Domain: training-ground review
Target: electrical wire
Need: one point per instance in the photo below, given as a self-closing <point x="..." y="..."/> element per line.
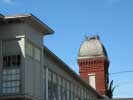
<point x="121" y="72"/>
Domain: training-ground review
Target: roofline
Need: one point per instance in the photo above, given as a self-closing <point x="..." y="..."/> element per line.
<point x="117" y="99"/>
<point x="34" y="19"/>
<point x="1" y="18"/>
<point x="17" y="16"/>
<point x="67" y="68"/>
<point x="1" y="15"/>
<point x="93" y="57"/>
<point x="43" y="24"/>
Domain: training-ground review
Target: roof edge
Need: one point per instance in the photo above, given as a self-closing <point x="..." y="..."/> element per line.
<point x="24" y="17"/>
<point x="1" y="15"/>
<point x="43" y="24"/>
<point x="66" y="67"/>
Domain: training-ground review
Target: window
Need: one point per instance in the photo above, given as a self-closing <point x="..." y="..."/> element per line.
<point x="11" y="74"/>
<point x="68" y="90"/>
<point x="54" y="85"/>
<point x="64" y="92"/>
<point x="72" y="93"/>
<point x="11" y="80"/>
<point x="49" y="85"/>
<point x="11" y="61"/>
<point x="59" y="87"/>
<point x="29" y="49"/>
<point x="92" y="80"/>
<point x="37" y="54"/>
<point x="33" y="51"/>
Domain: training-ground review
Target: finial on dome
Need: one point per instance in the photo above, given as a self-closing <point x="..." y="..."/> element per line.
<point x="97" y="36"/>
<point x="92" y="37"/>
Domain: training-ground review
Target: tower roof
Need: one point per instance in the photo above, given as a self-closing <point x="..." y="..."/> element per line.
<point x="92" y="48"/>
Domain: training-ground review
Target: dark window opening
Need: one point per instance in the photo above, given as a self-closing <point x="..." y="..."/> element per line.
<point x="11" y="61"/>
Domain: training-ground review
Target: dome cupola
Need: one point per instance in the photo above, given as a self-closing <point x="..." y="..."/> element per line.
<point x="92" y="48"/>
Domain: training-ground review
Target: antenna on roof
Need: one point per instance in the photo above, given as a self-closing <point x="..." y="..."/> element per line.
<point x="97" y="36"/>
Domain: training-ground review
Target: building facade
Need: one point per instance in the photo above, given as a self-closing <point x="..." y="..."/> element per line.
<point x="29" y="70"/>
<point x="93" y="64"/>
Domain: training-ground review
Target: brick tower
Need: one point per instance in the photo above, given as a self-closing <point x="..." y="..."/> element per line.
<point x="93" y="64"/>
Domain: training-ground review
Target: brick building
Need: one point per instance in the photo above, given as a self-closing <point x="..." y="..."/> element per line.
<point x="94" y="63"/>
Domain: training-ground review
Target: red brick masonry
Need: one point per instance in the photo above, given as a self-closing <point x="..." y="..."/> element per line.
<point x="97" y="66"/>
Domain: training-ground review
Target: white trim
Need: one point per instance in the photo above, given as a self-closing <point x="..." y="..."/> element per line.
<point x="22" y="36"/>
<point x="92" y="74"/>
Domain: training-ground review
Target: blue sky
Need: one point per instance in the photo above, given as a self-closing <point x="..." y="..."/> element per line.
<point x="72" y="20"/>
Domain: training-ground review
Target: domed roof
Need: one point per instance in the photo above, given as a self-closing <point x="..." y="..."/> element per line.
<point x="92" y="48"/>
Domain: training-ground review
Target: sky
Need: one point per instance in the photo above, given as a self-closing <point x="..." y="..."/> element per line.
<point x="73" y="20"/>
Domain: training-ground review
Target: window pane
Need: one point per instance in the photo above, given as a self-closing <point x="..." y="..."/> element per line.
<point x="68" y="85"/>
<point x="4" y="84"/>
<point x="63" y="83"/>
<point x="5" y="60"/>
<point x="14" y="60"/>
<point x="37" y="54"/>
<point x="4" y="78"/>
<point x="13" y="90"/>
<point x="9" y="77"/>
<point x="4" y="90"/>
<point x="9" y="90"/>
<point x="9" y="71"/>
<point x="9" y="61"/>
<point x="29" y="49"/>
<point x="17" y="89"/>
<point x="14" y="77"/>
<point x="4" y="72"/>
<point x="54" y="77"/>
<point x="59" y="80"/>
<point x="18" y="59"/>
<point x="49" y="75"/>
<point x="9" y="84"/>
<point x="13" y="71"/>
<point x="92" y="81"/>
<point x="11" y="81"/>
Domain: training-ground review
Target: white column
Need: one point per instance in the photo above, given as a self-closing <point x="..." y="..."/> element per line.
<point x="46" y="83"/>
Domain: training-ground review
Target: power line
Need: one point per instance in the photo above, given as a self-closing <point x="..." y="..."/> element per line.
<point x="121" y="72"/>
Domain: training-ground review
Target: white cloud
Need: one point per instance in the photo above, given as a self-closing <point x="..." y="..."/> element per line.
<point x="8" y="1"/>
